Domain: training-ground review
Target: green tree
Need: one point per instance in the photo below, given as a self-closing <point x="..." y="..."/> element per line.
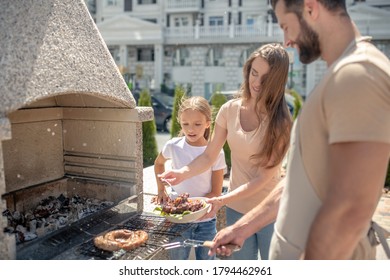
<point x="179" y="95"/>
<point x="149" y="130"/>
<point x="217" y="100"/>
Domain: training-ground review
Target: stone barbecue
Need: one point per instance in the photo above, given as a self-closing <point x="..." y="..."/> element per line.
<point x="69" y="126"/>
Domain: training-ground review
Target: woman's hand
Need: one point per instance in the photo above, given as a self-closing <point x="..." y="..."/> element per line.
<point x="216" y="204"/>
<point x="172" y="177"/>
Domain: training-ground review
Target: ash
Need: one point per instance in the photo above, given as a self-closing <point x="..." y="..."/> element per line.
<point x="52" y="213"/>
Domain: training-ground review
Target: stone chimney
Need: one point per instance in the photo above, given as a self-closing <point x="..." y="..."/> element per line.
<point x="56" y="69"/>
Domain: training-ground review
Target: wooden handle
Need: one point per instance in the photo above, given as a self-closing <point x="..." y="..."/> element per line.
<point x="232" y="247"/>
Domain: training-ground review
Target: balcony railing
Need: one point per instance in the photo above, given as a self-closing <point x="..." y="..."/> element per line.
<point x="182" y="4"/>
<point x="179" y="32"/>
<point x="218" y="32"/>
<point x="213" y="31"/>
<point x="376" y="29"/>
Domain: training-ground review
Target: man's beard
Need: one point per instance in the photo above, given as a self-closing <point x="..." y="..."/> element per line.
<point x="308" y="44"/>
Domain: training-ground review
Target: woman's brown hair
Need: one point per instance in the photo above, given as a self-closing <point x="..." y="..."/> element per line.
<point x="271" y="101"/>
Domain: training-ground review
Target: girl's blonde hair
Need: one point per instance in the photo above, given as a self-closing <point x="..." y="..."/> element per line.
<point x="271" y="99"/>
<point x="200" y="104"/>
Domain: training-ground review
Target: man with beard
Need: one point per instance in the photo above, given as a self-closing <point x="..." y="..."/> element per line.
<point x="340" y="144"/>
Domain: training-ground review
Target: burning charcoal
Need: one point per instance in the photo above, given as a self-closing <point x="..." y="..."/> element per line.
<point x="65" y="203"/>
<point x="63" y="221"/>
<point x="19" y="237"/>
<point x="106" y="204"/>
<point x="21" y="228"/>
<point x="9" y="229"/>
<point x="41" y="223"/>
<point x="50" y="228"/>
<point x="76" y="200"/>
<point x="54" y="224"/>
<point x="41" y="231"/>
<point x="17" y="216"/>
<point x="51" y="214"/>
<point x="29" y="236"/>
<point x="7" y="213"/>
<point x="32" y="225"/>
<point x="61" y="198"/>
<point x="41" y="211"/>
<point x="29" y="216"/>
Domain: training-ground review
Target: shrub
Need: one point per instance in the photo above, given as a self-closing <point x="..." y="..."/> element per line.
<point x="298" y="102"/>
<point x="149" y="143"/>
<point x="217" y="100"/>
<point x="179" y="95"/>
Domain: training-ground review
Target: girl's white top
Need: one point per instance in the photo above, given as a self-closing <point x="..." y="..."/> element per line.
<point x="181" y="153"/>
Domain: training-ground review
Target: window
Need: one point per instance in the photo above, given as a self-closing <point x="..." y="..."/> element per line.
<point x="272" y="13"/>
<point x="146" y="2"/>
<point x="128" y="5"/>
<point x="250" y="21"/>
<point x="181" y="57"/>
<point x="245" y="55"/>
<point x="214" y="57"/>
<point x="145" y="54"/>
<point x="181" y="21"/>
<point x="215" y="21"/>
<point x="114" y="51"/>
<point x="152" y="20"/>
<point x="111" y="3"/>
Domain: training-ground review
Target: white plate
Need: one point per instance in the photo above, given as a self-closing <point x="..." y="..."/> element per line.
<point x="190" y="217"/>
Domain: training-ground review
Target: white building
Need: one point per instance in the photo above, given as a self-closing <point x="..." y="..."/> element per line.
<point x="204" y="43"/>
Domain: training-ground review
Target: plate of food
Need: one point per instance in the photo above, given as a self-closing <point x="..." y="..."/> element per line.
<point x="183" y="209"/>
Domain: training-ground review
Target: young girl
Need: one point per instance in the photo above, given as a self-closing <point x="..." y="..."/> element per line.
<point x="194" y="117"/>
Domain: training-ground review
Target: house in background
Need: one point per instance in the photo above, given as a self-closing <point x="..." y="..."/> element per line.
<point x="203" y="44"/>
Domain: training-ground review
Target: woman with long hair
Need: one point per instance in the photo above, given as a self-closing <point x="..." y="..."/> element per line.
<point x="257" y="127"/>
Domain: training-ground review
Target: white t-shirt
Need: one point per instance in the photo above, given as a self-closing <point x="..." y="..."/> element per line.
<point x="181" y="153"/>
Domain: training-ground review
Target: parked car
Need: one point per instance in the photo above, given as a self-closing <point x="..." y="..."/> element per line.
<point x="162" y="106"/>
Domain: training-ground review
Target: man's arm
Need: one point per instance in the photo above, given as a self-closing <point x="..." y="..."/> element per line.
<point x="256" y="219"/>
<point x="356" y="178"/>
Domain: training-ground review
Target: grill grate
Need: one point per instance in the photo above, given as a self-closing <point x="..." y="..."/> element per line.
<point x="160" y="232"/>
<point x="155" y="224"/>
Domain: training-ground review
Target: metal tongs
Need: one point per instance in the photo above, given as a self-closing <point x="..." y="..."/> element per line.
<point x="197" y="243"/>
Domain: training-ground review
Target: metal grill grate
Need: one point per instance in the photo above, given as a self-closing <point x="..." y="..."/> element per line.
<point x="160" y="232"/>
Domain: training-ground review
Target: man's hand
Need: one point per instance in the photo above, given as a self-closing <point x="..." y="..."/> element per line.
<point x="226" y="236"/>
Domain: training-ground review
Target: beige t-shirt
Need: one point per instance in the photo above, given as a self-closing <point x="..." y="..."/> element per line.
<point x="243" y="145"/>
<point x="351" y="103"/>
